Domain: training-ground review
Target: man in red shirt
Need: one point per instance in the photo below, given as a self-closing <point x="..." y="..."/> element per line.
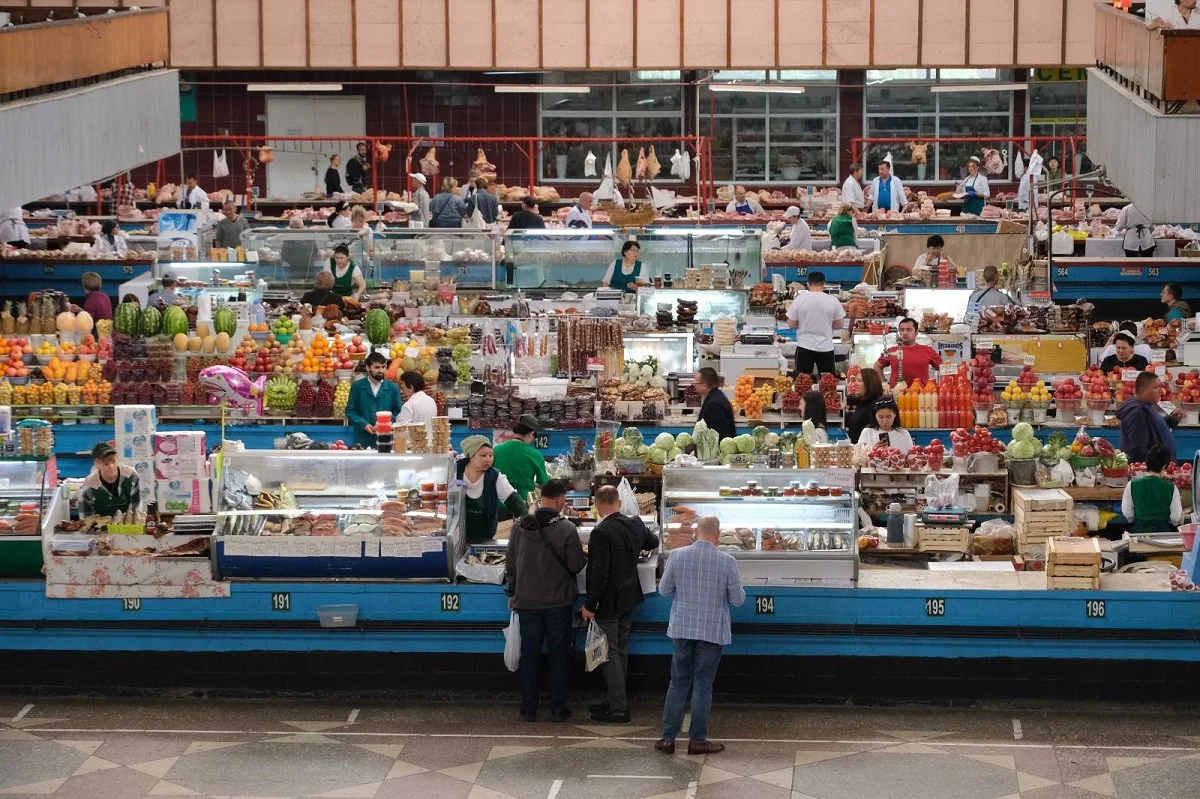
<point x="909" y="361"/>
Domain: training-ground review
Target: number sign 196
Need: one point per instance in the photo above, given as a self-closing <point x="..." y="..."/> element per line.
<point x="935" y="607"/>
<point x="1094" y="608"/>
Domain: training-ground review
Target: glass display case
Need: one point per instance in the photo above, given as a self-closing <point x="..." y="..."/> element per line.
<point x="468" y="256"/>
<point x="675" y="352"/>
<point x="26" y="489"/>
<point x="288" y="514"/>
<point x="289" y="259"/>
<point x="784" y="526"/>
<point x="710" y="303"/>
<point x="579" y="259"/>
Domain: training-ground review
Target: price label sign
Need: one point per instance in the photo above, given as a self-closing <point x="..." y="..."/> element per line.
<point x="764" y="606"/>
<point x="948" y="369"/>
<point x="984" y="344"/>
<point x="1030" y="359"/>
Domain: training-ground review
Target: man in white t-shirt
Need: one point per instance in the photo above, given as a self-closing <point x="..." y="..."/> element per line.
<point x="418" y="407"/>
<point x="814" y="315"/>
<point x="580" y="215"/>
<point x="852" y="190"/>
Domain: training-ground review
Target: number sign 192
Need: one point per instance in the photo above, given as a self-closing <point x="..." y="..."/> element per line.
<point x="450" y="603"/>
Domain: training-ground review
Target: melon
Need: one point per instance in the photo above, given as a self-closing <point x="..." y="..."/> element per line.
<point x="127" y="319"/>
<point x="208" y="344"/>
<point x="202" y="329"/>
<point x="66" y="322"/>
<point x="174" y="321"/>
<point x="151" y="322"/>
<point x="193" y="344"/>
<point x="223" y="342"/>
<point x="83" y="322"/>
<point x="224" y="321"/>
<point x="181" y="342"/>
<point x="377" y="326"/>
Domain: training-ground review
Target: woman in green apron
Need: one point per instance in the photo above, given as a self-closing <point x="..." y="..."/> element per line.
<point x="1151" y="503"/>
<point x="348" y="280"/>
<point x="485" y="489"/>
<point x="974" y="189"/>
<point x="625" y="272"/>
<point x="843" y="232"/>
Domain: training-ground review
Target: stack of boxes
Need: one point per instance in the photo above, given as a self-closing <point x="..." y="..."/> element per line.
<point x="181" y="474"/>
<point x="1041" y="514"/>
<point x="134" y="426"/>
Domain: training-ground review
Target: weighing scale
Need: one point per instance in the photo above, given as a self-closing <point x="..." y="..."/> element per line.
<point x="953" y="516"/>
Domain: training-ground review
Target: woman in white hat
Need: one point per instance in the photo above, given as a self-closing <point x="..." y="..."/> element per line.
<point x="801" y="236"/>
<point x="421" y="198"/>
<point x="974" y="188"/>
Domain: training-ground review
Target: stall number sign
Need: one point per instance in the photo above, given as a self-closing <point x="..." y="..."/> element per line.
<point x="131" y="604"/>
<point x="935" y="607"/>
<point x="764" y="606"/>
<point x="1094" y="608"/>
<point x="281" y="602"/>
<point x="541" y="442"/>
<point x="450" y="603"/>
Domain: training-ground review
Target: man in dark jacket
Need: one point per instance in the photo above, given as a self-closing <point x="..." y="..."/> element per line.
<point x="715" y="410"/>
<point x="358" y="170"/>
<point x="544" y="555"/>
<point x="528" y="217"/>
<point x="1143" y="424"/>
<point x="613" y="591"/>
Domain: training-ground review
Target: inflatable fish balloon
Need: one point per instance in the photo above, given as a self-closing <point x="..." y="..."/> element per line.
<point x="232" y="386"/>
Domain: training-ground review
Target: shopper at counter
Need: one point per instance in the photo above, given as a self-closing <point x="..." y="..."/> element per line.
<point x="852" y="190"/>
<point x="929" y="263"/>
<point x="580" y="215"/>
<point x="348" y="280"/>
<point x="111" y="488"/>
<point x="1124" y="356"/>
<point x="812" y="409"/>
<point x="801" y="236"/>
<point x="230" y="229"/>
<point x="885" y="429"/>
<point x="1151" y="503"/>
<point x="864" y="412"/>
<point x="974" y="188"/>
<point x="1172" y="297"/>
<point x="990" y="295"/>
<point x="358" y="171"/>
<point x="519" y="461"/>
<point x="418" y="407"/>
<point x="447" y="210"/>
<point x="744" y="204"/>
<point x="96" y="302"/>
<point x="484" y="202"/>
<point x="109" y="240"/>
<point x="715" y="410"/>
<point x="909" y="360"/>
<point x="544" y="555"/>
<point x="703" y="582"/>
<point x="322" y="293"/>
<point x="528" y="217"/>
<point x="420" y="198"/>
<point x="815" y="315"/>
<point x="485" y="489"/>
<point x="613" y="592"/>
<point x="843" y="229"/>
<point x="166" y="296"/>
<point x="339" y="219"/>
<point x="368" y="397"/>
<point x="1139" y="232"/>
<point x="192" y="196"/>
<point x="1110" y="346"/>
<point x="333" y="176"/>
<point x="1143" y="423"/>
<point x="13" y="230"/>
<point x="626" y="272"/>
<point x="886" y="192"/>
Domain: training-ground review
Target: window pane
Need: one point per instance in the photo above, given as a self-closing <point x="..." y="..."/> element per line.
<point x="804" y="75"/>
<point x="975" y="102"/>
<point x="904" y="99"/>
<point x="807" y="163"/>
<point x="751" y="130"/>
<point x="750" y="163"/>
<point x="739" y="74"/>
<point x="733" y="102"/>
<point x="669" y="128"/>
<point x="968" y="74"/>
<point x="600" y="98"/>
<point x="722" y="149"/>
<point x="573" y="127"/>
<point x="803" y="130"/>
<point x="953" y="157"/>
<point x="885" y="75"/>
<point x="660" y="97"/>
<point x="815" y="100"/>
<point x="907" y="128"/>
<point x="1056" y="102"/>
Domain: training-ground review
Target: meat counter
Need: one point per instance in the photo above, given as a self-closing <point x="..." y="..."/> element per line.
<point x="26" y="489"/>
<point x="783" y="526"/>
<point x="301" y="514"/>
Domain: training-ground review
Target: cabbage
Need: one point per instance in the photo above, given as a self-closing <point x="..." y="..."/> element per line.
<point x="642" y="449"/>
<point x="725" y="457"/>
<point x="657" y="454"/>
<point x="632" y="435"/>
<point x="683" y="440"/>
<point x="1065" y="453"/>
<point x="673" y="453"/>
<point x="1022" y="431"/>
<point x="759" y="433"/>
<point x="771" y="440"/>
<point x="729" y="446"/>
<point x="745" y="443"/>
<point x="664" y="441"/>
<point x="1023" y="450"/>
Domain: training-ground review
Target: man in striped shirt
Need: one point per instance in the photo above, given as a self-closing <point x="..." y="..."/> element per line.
<point x="704" y="582"/>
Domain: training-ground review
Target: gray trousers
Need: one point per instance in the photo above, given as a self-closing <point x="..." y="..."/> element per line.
<point x="616" y="670"/>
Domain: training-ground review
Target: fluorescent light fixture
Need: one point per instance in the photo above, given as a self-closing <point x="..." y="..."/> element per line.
<point x="293" y="87"/>
<point x="942" y="88"/>
<point x="756" y="88"/>
<point x="514" y="72"/>
<point x="647" y="101"/>
<point x="540" y="88"/>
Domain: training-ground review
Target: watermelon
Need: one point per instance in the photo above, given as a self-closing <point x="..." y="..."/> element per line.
<point x="378" y="326"/>
<point x="127" y="319"/>
<point x="224" y="321"/>
<point x="174" y="321"/>
<point x="151" y="322"/>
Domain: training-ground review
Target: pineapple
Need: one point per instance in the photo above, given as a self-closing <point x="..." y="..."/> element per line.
<point x="305" y="318"/>
<point x="8" y="325"/>
<point x="49" y="316"/>
<point x="22" y="327"/>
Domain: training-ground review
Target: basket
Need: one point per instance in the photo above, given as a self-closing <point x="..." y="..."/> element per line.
<point x="1080" y="462"/>
<point x="1012" y="226"/>
<point x="630" y="216"/>
<point x="631" y="466"/>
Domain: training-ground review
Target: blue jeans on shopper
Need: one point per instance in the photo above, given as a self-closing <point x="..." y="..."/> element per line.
<point x="693" y="667"/>
<point x="552" y="626"/>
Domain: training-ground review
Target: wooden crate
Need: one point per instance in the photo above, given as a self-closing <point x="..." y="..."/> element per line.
<point x="1041" y="499"/>
<point x="1073" y="563"/>
<point x="1040" y="515"/>
<point x="943" y="538"/>
<point x="1072" y="583"/>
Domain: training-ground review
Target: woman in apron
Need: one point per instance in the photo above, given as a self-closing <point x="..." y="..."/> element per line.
<point x="348" y="280"/>
<point x="624" y="273"/>
<point x="1151" y="503"/>
<point x="974" y="189"/>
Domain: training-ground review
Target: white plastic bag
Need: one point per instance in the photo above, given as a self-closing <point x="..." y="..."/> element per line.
<point x="589" y="165"/>
<point x="512" y="643"/>
<point x="220" y="166"/>
<point x="596" y="649"/>
<point x="475" y="221"/>
<point x="629" y="504"/>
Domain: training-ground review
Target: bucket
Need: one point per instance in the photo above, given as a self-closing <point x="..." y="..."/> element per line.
<point x="1022" y="471"/>
<point x="1188" y="533"/>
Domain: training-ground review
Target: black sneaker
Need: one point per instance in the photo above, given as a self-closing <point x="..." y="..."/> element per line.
<point x="599" y="707"/>
<point x="559" y="716"/>
<point x="609" y="717"/>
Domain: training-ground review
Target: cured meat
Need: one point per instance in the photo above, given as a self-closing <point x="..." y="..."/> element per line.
<point x="482" y="168"/>
<point x="642" y="172"/>
<point x="429" y="164"/>
<point x="652" y="165"/>
<point x="993" y="162"/>
<point x="624" y="170"/>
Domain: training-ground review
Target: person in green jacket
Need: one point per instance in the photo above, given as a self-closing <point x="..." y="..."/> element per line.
<point x="112" y="488"/>
<point x="1151" y="503"/>
<point x="485" y="491"/>
<point x="369" y="396"/>
<point x="519" y="461"/>
<point x="842" y="229"/>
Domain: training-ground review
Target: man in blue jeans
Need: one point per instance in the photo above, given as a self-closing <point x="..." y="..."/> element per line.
<point x="704" y="582"/>
<point x="544" y="555"/>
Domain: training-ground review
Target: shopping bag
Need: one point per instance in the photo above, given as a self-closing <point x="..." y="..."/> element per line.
<point x="512" y="643"/>
<point x="595" y="650"/>
<point x="629" y="503"/>
<point x="475" y="221"/>
<point x="220" y="166"/>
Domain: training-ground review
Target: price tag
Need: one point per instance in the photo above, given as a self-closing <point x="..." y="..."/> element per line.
<point x="454" y="413"/>
<point x="1030" y="360"/>
<point x="1158" y="355"/>
<point x="131" y="604"/>
<point x="1129" y="374"/>
<point x="764" y="606"/>
<point x="281" y="602"/>
<point x="451" y="603"/>
<point x="984" y="344"/>
<point x="1094" y="608"/>
<point x="935" y="607"/>
<point x="948" y="369"/>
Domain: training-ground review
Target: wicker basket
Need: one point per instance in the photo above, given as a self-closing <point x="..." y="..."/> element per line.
<point x="629" y="216"/>
<point x="1012" y="226"/>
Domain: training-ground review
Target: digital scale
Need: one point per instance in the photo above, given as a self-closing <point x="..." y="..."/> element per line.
<point x="757" y="339"/>
<point x="945" y="516"/>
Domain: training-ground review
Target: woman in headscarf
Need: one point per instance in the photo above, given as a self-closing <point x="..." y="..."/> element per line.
<point x="485" y="490"/>
<point x="109" y="241"/>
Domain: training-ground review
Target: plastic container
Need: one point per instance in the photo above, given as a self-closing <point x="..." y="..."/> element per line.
<point x="338" y="615"/>
<point x="1188" y="533"/>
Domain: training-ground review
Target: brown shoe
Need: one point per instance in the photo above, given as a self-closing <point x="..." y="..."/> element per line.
<point x="666" y="746"/>
<point x="704" y="748"/>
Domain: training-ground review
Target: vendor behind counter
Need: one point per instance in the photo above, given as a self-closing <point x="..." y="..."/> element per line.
<point x="112" y="488"/>
<point x="485" y="489"/>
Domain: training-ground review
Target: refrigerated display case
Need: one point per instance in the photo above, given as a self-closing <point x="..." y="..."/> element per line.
<point x="579" y="258"/>
<point x="710" y="303"/>
<point x="675" y="352"/>
<point x="26" y="486"/>
<point x="288" y="514"/>
<point x="777" y="536"/>
<point x="288" y="260"/>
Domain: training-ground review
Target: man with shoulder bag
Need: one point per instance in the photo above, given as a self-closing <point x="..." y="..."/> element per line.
<point x="613" y="591"/>
<point x="544" y="555"/>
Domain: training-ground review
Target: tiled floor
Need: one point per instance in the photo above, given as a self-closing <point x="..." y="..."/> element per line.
<point x="124" y="749"/>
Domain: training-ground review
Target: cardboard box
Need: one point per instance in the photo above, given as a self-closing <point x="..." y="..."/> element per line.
<point x="134" y="419"/>
<point x="179" y="455"/>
